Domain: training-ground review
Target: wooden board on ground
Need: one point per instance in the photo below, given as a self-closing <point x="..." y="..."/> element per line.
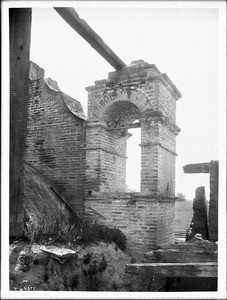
<point x="176" y="255"/>
<point x="193" y="244"/>
<point x="207" y="269"/>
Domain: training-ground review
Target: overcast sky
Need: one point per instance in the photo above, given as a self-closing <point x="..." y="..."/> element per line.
<point x="182" y="42"/>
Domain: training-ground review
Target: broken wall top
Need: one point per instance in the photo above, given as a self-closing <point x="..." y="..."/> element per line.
<point x="138" y="70"/>
<point x="73" y="105"/>
<point x="136" y="92"/>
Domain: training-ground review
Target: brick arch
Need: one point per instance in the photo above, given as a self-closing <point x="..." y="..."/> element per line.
<point x="137" y="97"/>
<point x="121" y="112"/>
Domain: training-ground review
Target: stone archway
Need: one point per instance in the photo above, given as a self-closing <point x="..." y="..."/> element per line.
<point x="107" y="142"/>
<point x="137" y="92"/>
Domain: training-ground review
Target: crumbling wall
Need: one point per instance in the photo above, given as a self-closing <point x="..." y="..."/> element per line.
<point x="137" y="92"/>
<point x="136" y="96"/>
<point x="105" y="159"/>
<point x="212" y="168"/>
<point x="199" y="220"/>
<point x="147" y="222"/>
<point x="165" y="222"/>
<point x="56" y="137"/>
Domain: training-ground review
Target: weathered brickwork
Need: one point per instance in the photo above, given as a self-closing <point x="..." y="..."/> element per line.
<point x="105" y="160"/>
<point x="56" y="137"/>
<point x="165" y="222"/>
<point x="166" y="173"/>
<point x="136" y="96"/>
<point x="137" y="92"/>
<point x="142" y="219"/>
<point x="86" y="160"/>
<point x="165" y="104"/>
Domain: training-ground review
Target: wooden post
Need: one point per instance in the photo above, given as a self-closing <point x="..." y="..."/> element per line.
<point x="20" y="33"/>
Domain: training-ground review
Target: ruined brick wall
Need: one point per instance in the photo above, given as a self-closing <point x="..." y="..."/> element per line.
<point x="142" y="219"/>
<point x="166" y="103"/>
<point x="213" y="204"/>
<point x="56" y="137"/>
<point x="137" y="93"/>
<point x="212" y="168"/>
<point x="105" y="160"/>
<point x="166" y="173"/>
<point x="165" y="222"/>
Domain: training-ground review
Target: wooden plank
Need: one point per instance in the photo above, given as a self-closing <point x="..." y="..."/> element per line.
<point x="178" y="256"/>
<point x="197" y="168"/>
<point x="193" y="245"/>
<point x="208" y="269"/>
<point x="82" y="28"/>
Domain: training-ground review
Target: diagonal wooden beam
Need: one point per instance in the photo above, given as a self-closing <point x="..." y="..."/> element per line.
<point x="80" y="26"/>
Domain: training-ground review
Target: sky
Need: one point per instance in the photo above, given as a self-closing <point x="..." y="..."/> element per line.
<point x="182" y="42"/>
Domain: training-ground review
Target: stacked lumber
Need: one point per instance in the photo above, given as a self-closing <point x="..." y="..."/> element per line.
<point x="197" y="258"/>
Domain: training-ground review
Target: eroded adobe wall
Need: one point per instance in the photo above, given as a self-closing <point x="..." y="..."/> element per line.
<point x="56" y="137"/>
<point x="211" y="167"/>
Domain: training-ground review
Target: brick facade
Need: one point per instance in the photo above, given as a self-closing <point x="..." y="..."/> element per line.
<point x="147" y="222"/>
<point x="137" y="92"/>
<point x="56" y="137"/>
<point x="86" y="160"/>
<point x="138" y="95"/>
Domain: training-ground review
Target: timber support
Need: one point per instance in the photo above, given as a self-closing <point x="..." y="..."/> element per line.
<point x="80" y="26"/>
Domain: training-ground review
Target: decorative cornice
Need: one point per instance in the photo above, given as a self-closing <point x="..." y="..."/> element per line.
<point x="157" y="115"/>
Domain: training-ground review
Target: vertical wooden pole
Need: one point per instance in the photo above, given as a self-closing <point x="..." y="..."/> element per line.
<point x="20" y="35"/>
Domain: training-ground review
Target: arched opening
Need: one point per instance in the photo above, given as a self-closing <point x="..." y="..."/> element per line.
<point x="133" y="163"/>
<point x="121" y="113"/>
<point x="123" y="121"/>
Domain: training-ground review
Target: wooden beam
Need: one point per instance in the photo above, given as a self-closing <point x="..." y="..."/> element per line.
<point x="19" y="38"/>
<point x="197" y="168"/>
<point x="192" y="245"/>
<point x="80" y="26"/>
<point x="208" y="269"/>
<point x="177" y="255"/>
